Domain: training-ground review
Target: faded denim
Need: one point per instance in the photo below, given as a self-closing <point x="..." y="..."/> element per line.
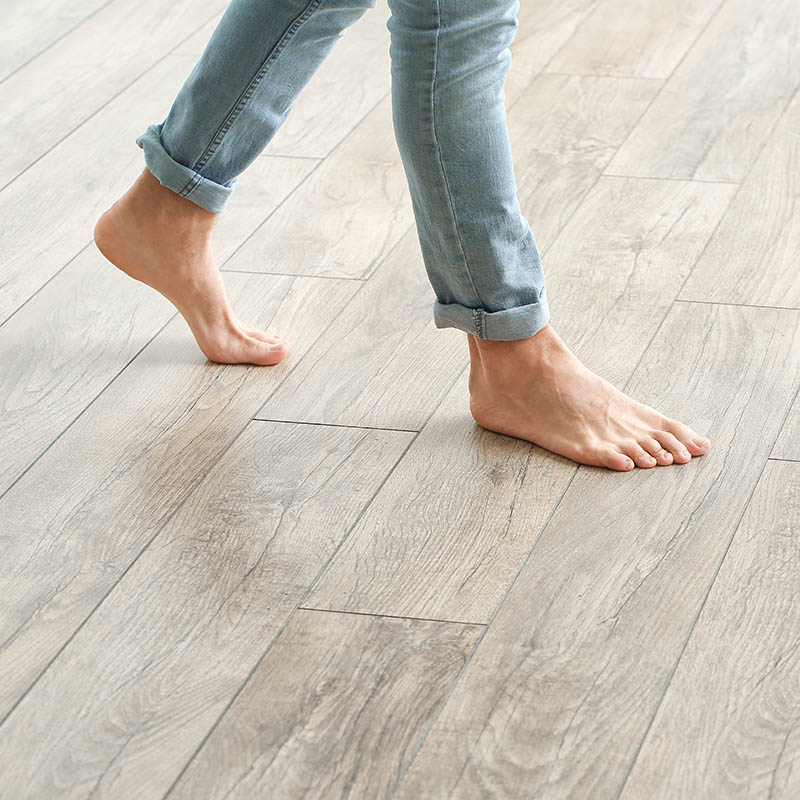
<point x="449" y="64"/>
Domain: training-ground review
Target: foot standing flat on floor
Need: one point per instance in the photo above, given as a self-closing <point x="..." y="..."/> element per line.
<point x="536" y="389"/>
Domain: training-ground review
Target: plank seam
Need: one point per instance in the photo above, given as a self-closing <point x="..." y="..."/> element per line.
<point x="392" y="616"/>
<point x="307" y="592"/>
<point x="189" y="493"/>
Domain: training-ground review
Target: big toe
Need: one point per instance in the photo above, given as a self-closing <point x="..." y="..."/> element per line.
<point x="264" y="353"/>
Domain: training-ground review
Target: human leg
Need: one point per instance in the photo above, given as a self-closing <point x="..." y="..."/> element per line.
<point x="257" y="61"/>
<point x="449" y="63"/>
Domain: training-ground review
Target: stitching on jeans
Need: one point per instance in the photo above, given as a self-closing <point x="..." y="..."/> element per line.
<point x="438" y="150"/>
<point x="245" y="96"/>
<point x="479" y="320"/>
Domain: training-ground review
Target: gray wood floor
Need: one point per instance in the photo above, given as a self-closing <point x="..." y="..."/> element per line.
<point x="322" y="579"/>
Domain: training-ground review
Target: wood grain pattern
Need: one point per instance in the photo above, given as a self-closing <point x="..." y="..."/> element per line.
<point x="31" y="26"/>
<point x="262" y="187"/>
<point x="73" y="523"/>
<point x="618" y="263"/>
<point x="729" y="725"/>
<point x="788" y="444"/>
<point x="47" y="215"/>
<point x="544" y="27"/>
<point x="615" y="270"/>
<point x="158" y="548"/>
<point x="759" y="261"/>
<point x="563" y="131"/>
<point x="450" y="527"/>
<point x="335" y="709"/>
<point x="62" y="349"/>
<point x="346" y="217"/>
<point x="634" y="38"/>
<point x="560" y="691"/>
<point x="715" y="111"/>
<point x="131" y="698"/>
<point x="382" y="362"/>
<point x="81" y="72"/>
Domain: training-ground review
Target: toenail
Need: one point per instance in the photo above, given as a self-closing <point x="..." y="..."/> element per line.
<point x="700" y="441"/>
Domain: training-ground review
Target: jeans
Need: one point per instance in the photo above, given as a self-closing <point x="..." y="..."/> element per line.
<point x="449" y="60"/>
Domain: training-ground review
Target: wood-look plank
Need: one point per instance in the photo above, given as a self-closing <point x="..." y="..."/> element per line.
<point x="336" y="709"/>
<point x="262" y="187"/>
<point x="196" y="43"/>
<point x="70" y="81"/>
<point x="346" y="217"/>
<point x="450" y="527"/>
<point x="561" y="689"/>
<point x="63" y="347"/>
<point x="729" y="725"/>
<point x="124" y="707"/>
<point x="382" y="362"/>
<point x="614" y="270"/>
<point x="31" y="26"/>
<point x="788" y="444"/>
<point x="752" y="258"/>
<point x="712" y="117"/>
<point x="47" y="215"/>
<point x="619" y="262"/>
<point x="75" y="521"/>
<point x="634" y="38"/>
<point x="564" y="131"/>
<point x="544" y="27"/>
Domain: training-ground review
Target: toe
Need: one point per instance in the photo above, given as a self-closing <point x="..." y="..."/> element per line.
<point x="613" y="459"/>
<point x="638" y="454"/>
<point x="264" y="353"/>
<point x="670" y="442"/>
<point x="663" y="457"/>
<point x="238" y="348"/>
<point x="264" y="336"/>
<point x="696" y="444"/>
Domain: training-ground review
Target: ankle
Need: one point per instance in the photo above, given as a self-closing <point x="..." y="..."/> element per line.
<point x="162" y="206"/>
<point x="494" y="355"/>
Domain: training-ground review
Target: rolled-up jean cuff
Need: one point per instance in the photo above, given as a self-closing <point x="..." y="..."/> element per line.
<point x="518" y="322"/>
<point x="183" y="181"/>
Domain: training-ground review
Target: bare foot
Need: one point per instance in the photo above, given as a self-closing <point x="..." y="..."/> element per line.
<point x="164" y="240"/>
<point x="537" y="389"/>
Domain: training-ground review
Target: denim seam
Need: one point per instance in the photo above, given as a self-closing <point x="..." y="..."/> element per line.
<point x="439" y="152"/>
<point x="480" y="322"/>
<point x="245" y="96"/>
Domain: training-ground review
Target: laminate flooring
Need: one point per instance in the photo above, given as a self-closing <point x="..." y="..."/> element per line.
<point x="322" y="579"/>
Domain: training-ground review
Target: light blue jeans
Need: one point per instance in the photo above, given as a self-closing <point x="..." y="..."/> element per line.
<point x="449" y="64"/>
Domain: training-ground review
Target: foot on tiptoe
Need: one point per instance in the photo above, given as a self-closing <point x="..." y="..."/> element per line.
<point x="164" y="240"/>
<point x="537" y="389"/>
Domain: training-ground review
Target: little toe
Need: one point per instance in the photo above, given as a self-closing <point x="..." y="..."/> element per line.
<point x="614" y="459"/>
<point x="670" y="442"/>
<point x="638" y="454"/>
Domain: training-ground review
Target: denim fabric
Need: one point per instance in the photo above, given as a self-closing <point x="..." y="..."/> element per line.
<point x="449" y="64"/>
